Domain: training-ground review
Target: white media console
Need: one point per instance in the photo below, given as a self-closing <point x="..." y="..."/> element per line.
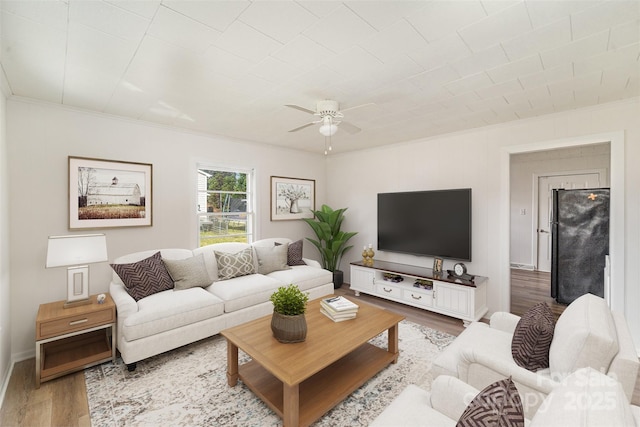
<point x="462" y="299"/>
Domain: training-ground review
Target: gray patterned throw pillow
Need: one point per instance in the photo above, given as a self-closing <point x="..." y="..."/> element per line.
<point x="235" y="265"/>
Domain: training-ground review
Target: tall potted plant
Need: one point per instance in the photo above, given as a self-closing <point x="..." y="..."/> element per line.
<point x="332" y="242"/>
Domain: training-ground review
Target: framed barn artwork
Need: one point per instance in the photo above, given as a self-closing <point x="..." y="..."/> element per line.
<point x="109" y="193"/>
<point x="292" y="198"/>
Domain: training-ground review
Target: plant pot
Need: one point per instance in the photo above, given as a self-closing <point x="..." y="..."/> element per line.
<point x="289" y="329"/>
<point x="338" y="279"/>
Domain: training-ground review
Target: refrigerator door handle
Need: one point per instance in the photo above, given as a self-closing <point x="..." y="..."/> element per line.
<point x="607" y="280"/>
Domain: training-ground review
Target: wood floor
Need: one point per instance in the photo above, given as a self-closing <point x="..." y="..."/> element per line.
<point x="63" y="401"/>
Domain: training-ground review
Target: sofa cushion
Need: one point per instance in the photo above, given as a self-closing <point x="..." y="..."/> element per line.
<point x="294" y="253"/>
<point x="532" y="338"/>
<point x="271" y="258"/>
<point x="145" y="277"/>
<point x="585" y="336"/>
<point x="170" y="310"/>
<point x="498" y="404"/>
<point x="585" y="398"/>
<point x="412" y="408"/>
<point x="244" y="291"/>
<point x="237" y="264"/>
<point x="304" y="276"/>
<point x="188" y="273"/>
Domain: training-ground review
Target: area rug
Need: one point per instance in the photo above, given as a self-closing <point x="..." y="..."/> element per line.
<point x="188" y="387"/>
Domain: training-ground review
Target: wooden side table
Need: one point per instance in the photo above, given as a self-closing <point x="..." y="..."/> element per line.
<point x="71" y="339"/>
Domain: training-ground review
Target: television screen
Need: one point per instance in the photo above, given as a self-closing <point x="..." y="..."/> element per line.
<point x="429" y="223"/>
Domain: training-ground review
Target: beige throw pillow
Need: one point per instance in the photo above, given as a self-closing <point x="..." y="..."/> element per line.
<point x="188" y="273"/>
<point x="271" y="258"/>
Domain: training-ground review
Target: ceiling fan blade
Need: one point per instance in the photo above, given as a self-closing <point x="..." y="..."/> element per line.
<point x="303" y="126"/>
<point x="358" y="106"/>
<point x="350" y="128"/>
<point x="297" y="107"/>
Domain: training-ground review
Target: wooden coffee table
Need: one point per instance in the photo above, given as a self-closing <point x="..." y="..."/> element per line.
<point x="300" y="382"/>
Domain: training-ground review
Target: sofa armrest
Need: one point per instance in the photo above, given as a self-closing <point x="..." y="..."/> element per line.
<point x="450" y="396"/>
<point x="504" y="321"/>
<point x="504" y="368"/>
<point x="125" y="304"/>
<point x="312" y="262"/>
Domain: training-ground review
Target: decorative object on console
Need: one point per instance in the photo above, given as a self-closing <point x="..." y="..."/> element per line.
<point x="101" y="298"/>
<point x="367" y="255"/>
<point x="460" y="271"/>
<point x="391" y="277"/>
<point x="332" y="242"/>
<point x="437" y="265"/>
<point x="76" y="252"/>
<point x="423" y="283"/>
<point x="288" y="323"/>
<point x="108" y="193"/>
<point x="292" y="198"/>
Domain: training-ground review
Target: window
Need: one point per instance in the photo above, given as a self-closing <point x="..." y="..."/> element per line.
<point x="225" y="205"/>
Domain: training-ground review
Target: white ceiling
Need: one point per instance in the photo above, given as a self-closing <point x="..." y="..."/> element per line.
<point x="229" y="67"/>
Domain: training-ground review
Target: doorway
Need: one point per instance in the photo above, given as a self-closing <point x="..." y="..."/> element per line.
<point x="546" y="184"/>
<point x="615" y="168"/>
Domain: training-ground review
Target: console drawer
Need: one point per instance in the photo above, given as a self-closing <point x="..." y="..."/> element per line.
<point x="416" y="297"/>
<point x="388" y="291"/>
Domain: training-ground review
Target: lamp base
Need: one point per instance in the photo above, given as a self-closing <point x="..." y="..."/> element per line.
<point x="71" y="304"/>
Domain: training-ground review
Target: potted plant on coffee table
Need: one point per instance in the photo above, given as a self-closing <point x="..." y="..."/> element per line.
<point x="288" y="323"/>
<point x="332" y="242"/>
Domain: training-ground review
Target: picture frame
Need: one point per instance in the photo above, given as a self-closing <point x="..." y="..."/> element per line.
<point x="437" y="265"/>
<point x="109" y="193"/>
<point x="292" y="198"/>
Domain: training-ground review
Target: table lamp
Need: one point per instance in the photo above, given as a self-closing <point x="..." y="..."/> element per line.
<point x="75" y="252"/>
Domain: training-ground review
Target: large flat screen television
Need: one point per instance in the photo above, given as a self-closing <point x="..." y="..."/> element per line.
<point x="428" y="223"/>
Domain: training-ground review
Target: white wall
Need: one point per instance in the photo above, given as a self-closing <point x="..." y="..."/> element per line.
<point x="5" y="280"/>
<point x="524" y="167"/>
<point x="40" y="139"/>
<point x="473" y="159"/>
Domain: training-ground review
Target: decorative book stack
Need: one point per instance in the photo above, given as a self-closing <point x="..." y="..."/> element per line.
<point x="338" y="308"/>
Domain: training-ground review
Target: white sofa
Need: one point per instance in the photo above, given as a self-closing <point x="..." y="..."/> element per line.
<point x="587" y="334"/>
<point x="173" y="318"/>
<point x="586" y="398"/>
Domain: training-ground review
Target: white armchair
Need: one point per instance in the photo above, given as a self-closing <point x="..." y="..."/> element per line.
<point x="587" y="334"/>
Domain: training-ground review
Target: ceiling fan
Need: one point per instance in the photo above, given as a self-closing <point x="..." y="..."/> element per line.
<point x="330" y="116"/>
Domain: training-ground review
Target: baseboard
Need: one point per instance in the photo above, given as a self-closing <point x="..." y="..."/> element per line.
<point x="522" y="266"/>
<point x="5" y="382"/>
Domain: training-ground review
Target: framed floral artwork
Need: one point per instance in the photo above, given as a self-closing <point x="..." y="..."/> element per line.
<point x="292" y="198"/>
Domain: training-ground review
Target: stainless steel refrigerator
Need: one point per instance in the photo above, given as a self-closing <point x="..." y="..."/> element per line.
<point x="579" y="243"/>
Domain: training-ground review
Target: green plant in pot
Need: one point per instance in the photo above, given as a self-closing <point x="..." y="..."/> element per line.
<point x="332" y="242"/>
<point x="288" y="323"/>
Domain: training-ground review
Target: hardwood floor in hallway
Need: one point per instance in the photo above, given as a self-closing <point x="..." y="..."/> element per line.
<point x="63" y="401"/>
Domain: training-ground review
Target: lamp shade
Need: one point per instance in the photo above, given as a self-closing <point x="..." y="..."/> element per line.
<point x="76" y="250"/>
<point x="328" y="130"/>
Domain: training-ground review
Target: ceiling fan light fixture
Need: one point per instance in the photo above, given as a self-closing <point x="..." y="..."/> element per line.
<point x="328" y="129"/>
